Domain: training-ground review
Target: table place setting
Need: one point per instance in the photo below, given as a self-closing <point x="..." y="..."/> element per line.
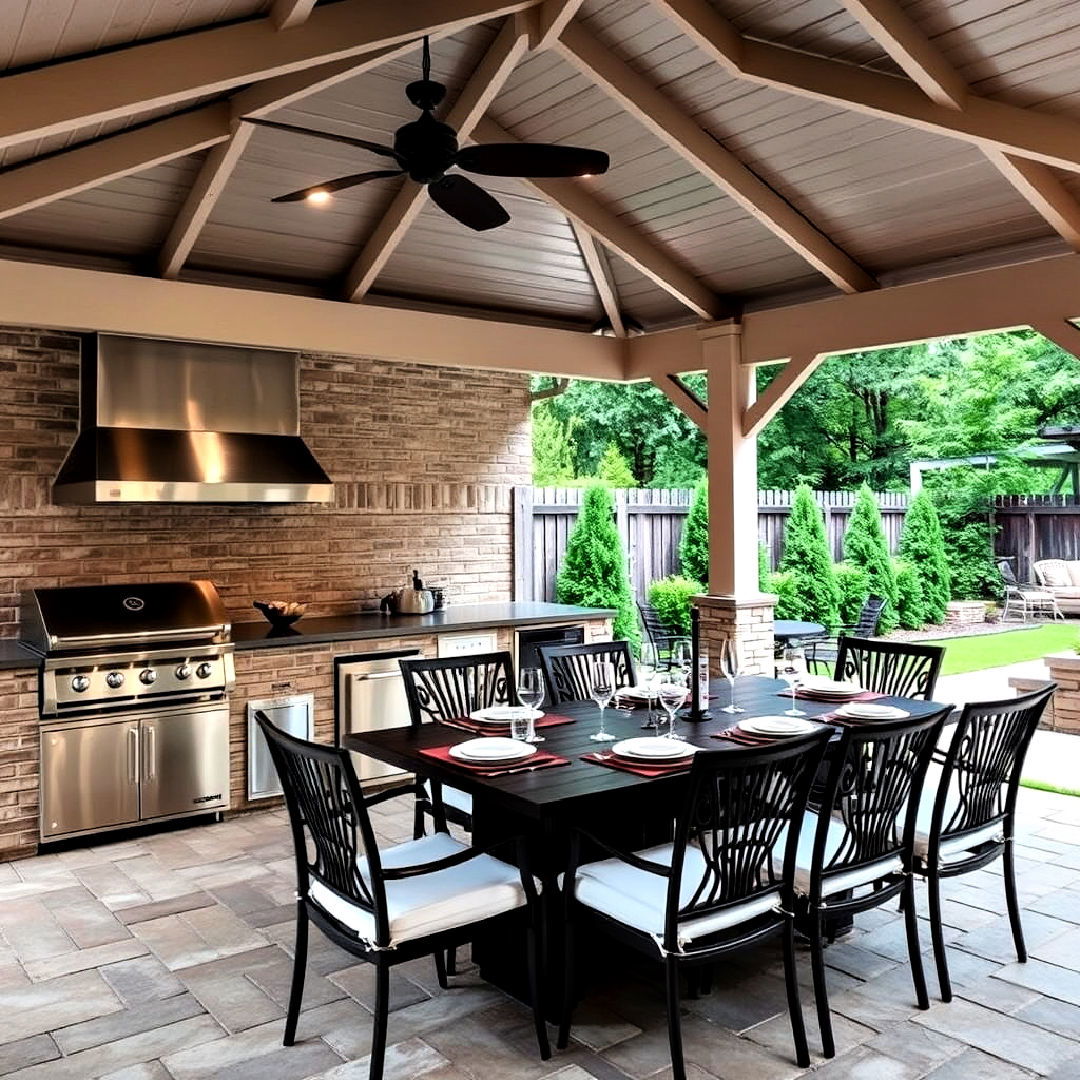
<point x="647" y="756"/>
<point x="859" y="711"/>
<point x="500" y="719"/>
<point x="494" y="755"/>
<point x="765" y="730"/>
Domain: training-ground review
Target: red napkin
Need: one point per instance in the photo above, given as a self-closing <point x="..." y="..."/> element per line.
<point x="463" y="723"/>
<point x="542" y="759"/>
<point x="866" y="695"/>
<point x="648" y="771"/>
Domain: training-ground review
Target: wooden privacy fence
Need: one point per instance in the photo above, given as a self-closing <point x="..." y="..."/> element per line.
<point x="650" y="522"/>
<point x="1033" y="527"/>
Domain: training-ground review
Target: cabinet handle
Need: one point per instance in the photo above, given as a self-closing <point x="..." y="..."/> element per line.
<point x="149" y="748"/>
<point x="133" y="755"/>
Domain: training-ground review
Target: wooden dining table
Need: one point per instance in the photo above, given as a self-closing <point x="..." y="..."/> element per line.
<point x="544" y="806"/>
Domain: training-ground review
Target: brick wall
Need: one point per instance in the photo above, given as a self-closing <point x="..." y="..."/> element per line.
<point x="19" y="753"/>
<point x="422" y="459"/>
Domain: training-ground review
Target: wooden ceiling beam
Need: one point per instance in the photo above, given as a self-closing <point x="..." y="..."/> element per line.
<point x="680" y="395"/>
<point x="671" y="124"/>
<point x="484" y="84"/>
<point x="603" y="282"/>
<point x="36" y="183"/>
<point x="1053" y="140"/>
<point x="573" y="199"/>
<point x="549" y="20"/>
<point x="779" y="392"/>
<point x="286" y="14"/>
<point x="72" y="94"/>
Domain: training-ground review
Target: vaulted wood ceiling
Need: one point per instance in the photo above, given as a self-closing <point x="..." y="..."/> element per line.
<point x="763" y="151"/>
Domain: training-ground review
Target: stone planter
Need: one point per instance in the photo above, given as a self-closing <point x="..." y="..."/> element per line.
<point x="1064" y="669"/>
<point x="965" y="612"/>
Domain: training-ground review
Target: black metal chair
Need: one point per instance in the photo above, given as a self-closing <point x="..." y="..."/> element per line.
<point x="566" y="668"/>
<point x="657" y="632"/>
<point x="445" y="689"/>
<point x="863" y="841"/>
<point x="967" y="818"/>
<point x="822" y="653"/>
<point x="897" y="668"/>
<point x="387" y="907"/>
<point x="714" y="890"/>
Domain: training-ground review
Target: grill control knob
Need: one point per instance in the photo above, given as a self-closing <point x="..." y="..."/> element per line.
<point x="115" y="679"/>
<point x="148" y="676"/>
<point x="183" y="671"/>
<point x="80" y="684"/>
<point x="204" y="670"/>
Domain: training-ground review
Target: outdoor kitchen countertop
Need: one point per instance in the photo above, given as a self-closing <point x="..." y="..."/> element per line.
<point x="13" y="655"/>
<point x="367" y="625"/>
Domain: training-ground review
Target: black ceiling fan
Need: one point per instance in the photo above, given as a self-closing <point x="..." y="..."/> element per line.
<point x="426" y="149"/>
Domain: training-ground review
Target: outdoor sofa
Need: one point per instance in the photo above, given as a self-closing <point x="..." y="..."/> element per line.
<point x="1062" y="578"/>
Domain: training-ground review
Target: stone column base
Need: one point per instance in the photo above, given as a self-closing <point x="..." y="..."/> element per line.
<point x="1064" y="710"/>
<point x="748" y="620"/>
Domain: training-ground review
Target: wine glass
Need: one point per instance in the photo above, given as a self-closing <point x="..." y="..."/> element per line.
<point x="530" y="692"/>
<point x="793" y="670"/>
<point x="730" y="668"/>
<point x="672" y="693"/>
<point x="602" y="689"/>
<point x="682" y="655"/>
<point x="648" y="668"/>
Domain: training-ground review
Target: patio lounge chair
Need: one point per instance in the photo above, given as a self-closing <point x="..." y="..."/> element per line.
<point x="1061" y="579"/>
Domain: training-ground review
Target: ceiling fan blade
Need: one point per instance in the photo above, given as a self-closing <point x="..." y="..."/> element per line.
<point x="340" y="184"/>
<point x="532" y="159"/>
<point x="468" y="203"/>
<point x="347" y="140"/>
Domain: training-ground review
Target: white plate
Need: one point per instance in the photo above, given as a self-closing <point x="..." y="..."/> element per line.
<point x="635" y="693"/>
<point x="776" y="725"/>
<point x="864" y="710"/>
<point x="491" y="750"/>
<point x="818" y="684"/>
<point x="651" y="748"/>
<point x="503" y="714"/>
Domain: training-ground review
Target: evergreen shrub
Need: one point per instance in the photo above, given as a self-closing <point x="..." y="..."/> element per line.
<point x="694" y="544"/>
<point x="922" y="546"/>
<point x="911" y="603"/>
<point x="671" y="598"/>
<point x="807" y="560"/>
<point x="865" y="546"/>
<point x="853" y="587"/>
<point x="787" y="605"/>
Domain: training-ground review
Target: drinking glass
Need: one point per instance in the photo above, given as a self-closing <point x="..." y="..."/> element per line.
<point x="793" y="670"/>
<point x="672" y="694"/>
<point x="602" y="689"/>
<point x="682" y="655"/>
<point x="730" y="668"/>
<point x="519" y="725"/>
<point x="530" y="691"/>
<point x="648" y="667"/>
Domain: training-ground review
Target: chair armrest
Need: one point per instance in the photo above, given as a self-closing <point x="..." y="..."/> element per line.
<point x="628" y="857"/>
<point x="399" y="873"/>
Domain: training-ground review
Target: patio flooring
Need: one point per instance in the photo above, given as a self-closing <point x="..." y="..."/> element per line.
<point x="169" y="957"/>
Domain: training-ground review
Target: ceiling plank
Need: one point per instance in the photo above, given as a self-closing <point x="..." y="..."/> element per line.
<point x="670" y="123"/>
<point x="222" y="160"/>
<point x="37" y="183"/>
<point x="1053" y="140"/>
<point x="71" y="94"/>
<point x="288" y="13"/>
<point x="481" y="89"/>
<point x="603" y="282"/>
<point x="581" y="206"/>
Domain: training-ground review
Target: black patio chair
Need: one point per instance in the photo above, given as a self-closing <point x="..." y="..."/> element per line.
<point x="896" y="668"/>
<point x="822" y="652"/>
<point x="657" y="632"/>
<point x="854" y="852"/>
<point x="967" y="818"/>
<point x="714" y="890"/>
<point x="417" y="899"/>
<point x="566" y="668"/>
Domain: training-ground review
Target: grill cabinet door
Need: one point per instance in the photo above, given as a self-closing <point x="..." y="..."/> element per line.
<point x="185" y="762"/>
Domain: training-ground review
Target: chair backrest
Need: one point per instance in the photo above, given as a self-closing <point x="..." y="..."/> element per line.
<point x="1006" y="571"/>
<point x="330" y="823"/>
<point x="658" y="633"/>
<point x="739" y="804"/>
<point x="871" y="792"/>
<point x="869" y="615"/>
<point x="981" y="773"/>
<point x="567" y="667"/>
<point x="458" y="685"/>
<point x="899" y="668"/>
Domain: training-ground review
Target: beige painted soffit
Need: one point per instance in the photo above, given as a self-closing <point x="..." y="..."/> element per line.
<point x="486" y="81"/>
<point x="670" y="123"/>
<point x="76" y="93"/>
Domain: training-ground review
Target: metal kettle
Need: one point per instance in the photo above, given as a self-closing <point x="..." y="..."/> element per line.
<point x="412" y="599"/>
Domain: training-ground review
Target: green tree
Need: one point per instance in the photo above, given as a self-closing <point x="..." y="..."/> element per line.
<point x="763" y="570"/>
<point x="553" y="448"/>
<point x="677" y="465"/>
<point x="910" y="604"/>
<point x="593" y="572"/>
<point x="853" y="586"/>
<point x="613" y="469"/>
<point x="807" y="560"/>
<point x="922" y="546"/>
<point x="694" y="543"/>
<point x="671" y="599"/>
<point x="865" y="546"/>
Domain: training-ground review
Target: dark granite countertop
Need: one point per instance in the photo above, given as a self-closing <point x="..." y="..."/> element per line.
<point x="372" y="625"/>
<point x="13" y="655"/>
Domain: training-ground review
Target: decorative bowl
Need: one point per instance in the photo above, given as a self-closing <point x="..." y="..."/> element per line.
<point x="279" y="614"/>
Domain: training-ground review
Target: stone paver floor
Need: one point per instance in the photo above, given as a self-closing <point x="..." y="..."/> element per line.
<point x="169" y="957"/>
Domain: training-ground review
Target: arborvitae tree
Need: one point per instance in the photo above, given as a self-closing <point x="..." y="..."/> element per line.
<point x="594" y="567"/>
<point x="922" y="544"/>
<point x="694" y="545"/>
<point x="553" y="449"/>
<point x="854" y="589"/>
<point x="614" y="470"/>
<point x="911" y="605"/>
<point x="807" y="560"/>
<point x="763" y="570"/>
<point x="865" y="546"/>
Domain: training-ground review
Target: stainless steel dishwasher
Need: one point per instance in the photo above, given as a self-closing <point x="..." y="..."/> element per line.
<point x="371" y="695"/>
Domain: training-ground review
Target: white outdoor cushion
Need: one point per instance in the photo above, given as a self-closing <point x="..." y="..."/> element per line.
<point x="954" y="845"/>
<point x="840" y="882"/>
<point x="639" y="899"/>
<point x="418" y="906"/>
<point x="451" y="796"/>
<point x="1054" y="572"/>
<point x="1062" y="592"/>
<point x="1073" y="568"/>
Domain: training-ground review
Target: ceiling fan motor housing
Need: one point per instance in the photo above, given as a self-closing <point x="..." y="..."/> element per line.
<point x="428" y="147"/>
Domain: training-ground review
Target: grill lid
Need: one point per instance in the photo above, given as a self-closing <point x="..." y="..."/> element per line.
<point x="99" y="616"/>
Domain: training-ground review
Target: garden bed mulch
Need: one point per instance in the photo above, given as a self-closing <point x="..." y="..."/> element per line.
<point x="933" y="633"/>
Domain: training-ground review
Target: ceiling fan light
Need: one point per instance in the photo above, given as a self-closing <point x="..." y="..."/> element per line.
<point x="318" y="197"/>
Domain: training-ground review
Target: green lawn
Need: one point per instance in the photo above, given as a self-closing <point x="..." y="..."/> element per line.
<point x="997" y="650"/>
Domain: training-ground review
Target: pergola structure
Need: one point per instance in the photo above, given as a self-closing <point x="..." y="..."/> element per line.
<point x="789" y="181"/>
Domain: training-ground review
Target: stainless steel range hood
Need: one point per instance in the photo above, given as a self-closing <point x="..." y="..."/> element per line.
<point x="176" y="421"/>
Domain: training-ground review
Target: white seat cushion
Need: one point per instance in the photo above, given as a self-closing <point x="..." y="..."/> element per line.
<point x="451" y="796"/>
<point x="1053" y="572"/>
<point x="639" y="899"/>
<point x="835" y="883"/>
<point x="955" y="845"/>
<point x="478" y="889"/>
